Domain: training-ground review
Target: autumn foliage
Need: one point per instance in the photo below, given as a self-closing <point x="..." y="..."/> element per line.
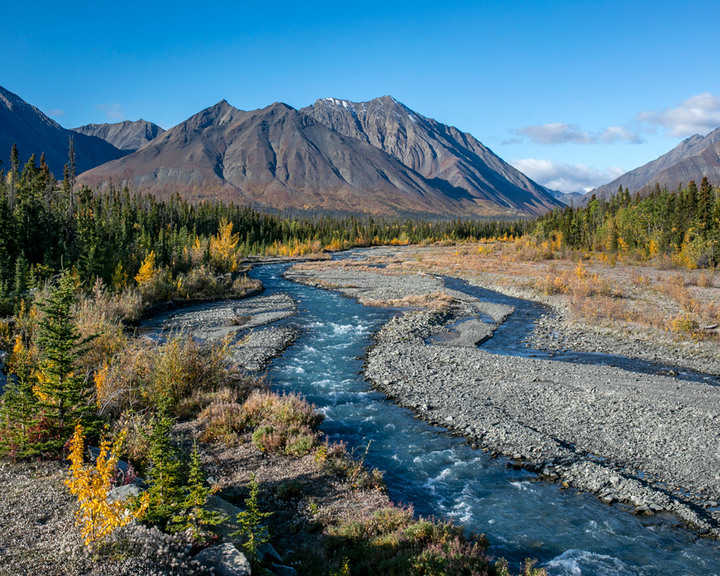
<point x="96" y="515"/>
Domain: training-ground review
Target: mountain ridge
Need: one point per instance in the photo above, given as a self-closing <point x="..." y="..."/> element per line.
<point x="395" y="162"/>
<point x="434" y="150"/>
<point x="34" y="132"/>
<point x="285" y="158"/>
<point x="693" y="158"/>
<point x="127" y="135"/>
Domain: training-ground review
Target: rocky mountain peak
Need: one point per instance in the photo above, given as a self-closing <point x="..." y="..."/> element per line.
<point x="692" y="159"/>
<point x="35" y="133"/>
<point x="126" y="135"/>
<point x="438" y="152"/>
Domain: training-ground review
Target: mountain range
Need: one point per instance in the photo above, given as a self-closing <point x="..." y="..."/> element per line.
<point x="398" y="163"/>
<point x="377" y="157"/>
<point x="692" y="159"/>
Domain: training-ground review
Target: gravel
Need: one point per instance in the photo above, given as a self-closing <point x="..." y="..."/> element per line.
<point x="647" y="440"/>
<point x="40" y="539"/>
<point x="556" y="332"/>
<point x="261" y="346"/>
<point x="236" y="319"/>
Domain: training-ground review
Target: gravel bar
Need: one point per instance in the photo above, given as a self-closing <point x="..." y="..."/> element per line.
<point x="238" y="320"/>
<point x="646" y="440"/>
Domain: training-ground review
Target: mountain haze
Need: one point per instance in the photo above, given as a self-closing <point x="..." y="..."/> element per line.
<point x="692" y="159"/>
<point x="127" y="136"/>
<point x="35" y="133"/>
<point x="284" y="158"/>
<point x="440" y="153"/>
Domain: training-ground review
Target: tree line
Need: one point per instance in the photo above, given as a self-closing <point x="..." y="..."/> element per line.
<point x="683" y="224"/>
<point x="48" y="225"/>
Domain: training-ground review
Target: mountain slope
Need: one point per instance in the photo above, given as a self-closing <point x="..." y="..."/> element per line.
<point x="706" y="162"/>
<point x="127" y="136"/>
<point x="438" y="152"/>
<point x="281" y="158"/>
<point x="35" y="133"/>
<point x="692" y="159"/>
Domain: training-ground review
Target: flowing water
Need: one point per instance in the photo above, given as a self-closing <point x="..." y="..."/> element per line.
<point x="442" y="476"/>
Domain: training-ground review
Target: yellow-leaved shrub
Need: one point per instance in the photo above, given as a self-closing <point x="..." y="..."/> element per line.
<point x="96" y="516"/>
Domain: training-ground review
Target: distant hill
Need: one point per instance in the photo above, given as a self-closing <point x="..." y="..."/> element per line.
<point x="692" y="159"/>
<point x="127" y="136"/>
<point x="35" y="133"/>
<point x="442" y="154"/>
<point x="288" y="159"/>
<point x="567" y="198"/>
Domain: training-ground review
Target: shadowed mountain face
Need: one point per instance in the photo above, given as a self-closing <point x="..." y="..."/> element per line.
<point x="438" y="152"/>
<point x="127" y="136"/>
<point x="35" y="133"/>
<point x="282" y="158"/>
<point x="692" y="159"/>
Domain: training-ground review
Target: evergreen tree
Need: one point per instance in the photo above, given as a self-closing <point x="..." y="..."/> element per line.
<point x="166" y="483"/>
<point x="194" y="517"/>
<point x="253" y="531"/>
<point x="63" y="395"/>
<point x="19" y="406"/>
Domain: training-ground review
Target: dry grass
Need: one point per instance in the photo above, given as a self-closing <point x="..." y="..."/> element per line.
<point x="594" y="288"/>
<point x="181" y="375"/>
<point x="439" y="301"/>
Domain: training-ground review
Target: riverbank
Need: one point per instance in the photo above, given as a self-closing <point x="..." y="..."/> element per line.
<point x="646" y="440"/>
<point x="661" y="315"/>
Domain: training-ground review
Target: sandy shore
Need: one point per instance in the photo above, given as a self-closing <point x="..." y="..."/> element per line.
<point x="647" y="440"/>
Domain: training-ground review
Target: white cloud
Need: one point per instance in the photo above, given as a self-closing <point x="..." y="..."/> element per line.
<point x="618" y="133"/>
<point x="566" y="177"/>
<point x="555" y="133"/>
<point x="112" y="111"/>
<point x="560" y="133"/>
<point x="56" y="112"/>
<point x="697" y="115"/>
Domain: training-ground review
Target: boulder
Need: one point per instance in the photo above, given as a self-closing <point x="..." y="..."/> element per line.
<point x="269" y="554"/>
<point x="280" y="570"/>
<point x="225" y="560"/>
<point x="228" y="512"/>
<point x="126" y="492"/>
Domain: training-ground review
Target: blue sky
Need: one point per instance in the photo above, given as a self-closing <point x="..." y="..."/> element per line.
<point x="572" y="93"/>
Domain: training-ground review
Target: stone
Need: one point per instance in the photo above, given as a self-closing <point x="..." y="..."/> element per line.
<point x="123" y="493"/>
<point x="269" y="554"/>
<point x="280" y="570"/>
<point x="225" y="560"/>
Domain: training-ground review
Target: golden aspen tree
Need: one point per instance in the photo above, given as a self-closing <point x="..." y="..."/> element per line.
<point x="223" y="247"/>
<point x="147" y="270"/>
<point x="97" y="516"/>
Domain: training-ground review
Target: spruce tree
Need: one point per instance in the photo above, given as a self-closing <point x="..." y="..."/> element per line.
<point x="19" y="406"/>
<point x="194" y="517"/>
<point x="166" y="475"/>
<point x="63" y="395"/>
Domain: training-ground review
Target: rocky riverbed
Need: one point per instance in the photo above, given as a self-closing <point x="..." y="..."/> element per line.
<point x="647" y="440"/>
<point x="242" y="322"/>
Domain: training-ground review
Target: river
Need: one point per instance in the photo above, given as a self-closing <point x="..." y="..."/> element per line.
<point x="441" y="475"/>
